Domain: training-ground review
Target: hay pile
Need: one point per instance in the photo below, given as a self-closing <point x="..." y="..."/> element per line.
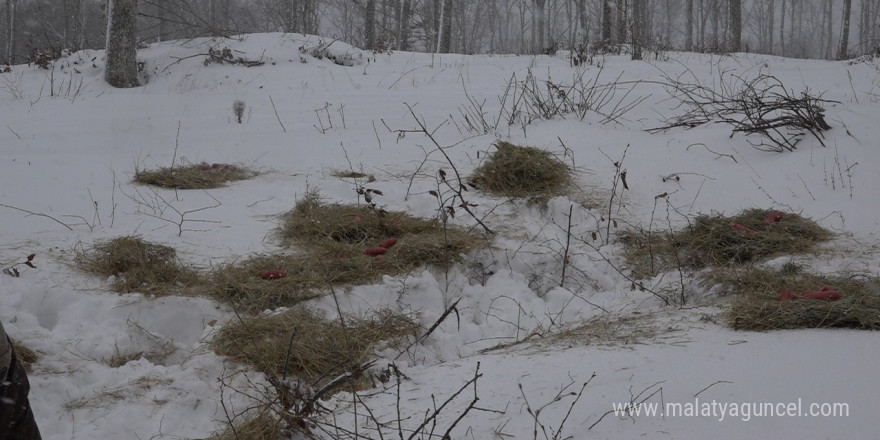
<point x="138" y="265"/>
<point x="515" y="171"/>
<point x="757" y="307"/>
<point x="265" y="425"/>
<point x="194" y="176"/>
<point x="319" y="349"/>
<point x="333" y="240"/>
<point x="24" y="354"/>
<point x="716" y="241"/>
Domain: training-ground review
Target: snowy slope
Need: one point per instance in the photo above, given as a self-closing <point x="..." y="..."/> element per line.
<point x="71" y="146"/>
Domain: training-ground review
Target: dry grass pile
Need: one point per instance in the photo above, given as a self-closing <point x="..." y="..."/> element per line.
<point x="139" y="266"/>
<point x="757" y="307"/>
<point x="333" y="240"/>
<point x="309" y="346"/>
<point x="263" y="426"/>
<point x="516" y="171"/>
<point x="717" y="240"/>
<point x="25" y="355"/>
<point x="354" y="175"/>
<point x="194" y="176"/>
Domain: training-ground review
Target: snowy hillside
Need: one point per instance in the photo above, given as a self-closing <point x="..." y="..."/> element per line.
<point x="550" y="302"/>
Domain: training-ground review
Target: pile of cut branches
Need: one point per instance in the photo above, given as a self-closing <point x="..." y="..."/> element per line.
<point x="760" y="106"/>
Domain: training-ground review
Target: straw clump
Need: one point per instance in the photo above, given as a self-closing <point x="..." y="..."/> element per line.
<point x="24" y="354"/>
<point x="757" y="305"/>
<point x="265" y="425"/>
<point x="194" y="176"/>
<point x="300" y="343"/>
<point x="138" y="265"/>
<point x="516" y="171"/>
<point x="716" y="240"/>
<point x="332" y="240"/>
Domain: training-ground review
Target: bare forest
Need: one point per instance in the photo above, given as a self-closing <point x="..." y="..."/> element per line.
<point x="827" y="29"/>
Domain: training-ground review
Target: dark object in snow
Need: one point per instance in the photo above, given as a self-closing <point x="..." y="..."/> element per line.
<point x="16" y="417"/>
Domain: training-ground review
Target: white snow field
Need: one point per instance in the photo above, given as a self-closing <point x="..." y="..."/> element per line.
<point x="70" y="146"/>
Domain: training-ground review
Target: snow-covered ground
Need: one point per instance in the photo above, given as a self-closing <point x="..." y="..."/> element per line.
<point x="71" y="144"/>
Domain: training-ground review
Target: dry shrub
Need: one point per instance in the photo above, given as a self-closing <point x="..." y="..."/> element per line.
<point x="319" y="349"/>
<point x="194" y="176"/>
<point x="756" y="306"/>
<point x="26" y="357"/>
<point x="515" y="171"/>
<point x="712" y="240"/>
<point x="139" y="266"/>
<point x="263" y="426"/>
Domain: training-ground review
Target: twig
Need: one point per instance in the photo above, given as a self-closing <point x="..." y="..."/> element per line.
<point x="437" y="323"/>
<point x="710" y="386"/>
<point x="39" y="214"/>
<point x="276" y="114"/>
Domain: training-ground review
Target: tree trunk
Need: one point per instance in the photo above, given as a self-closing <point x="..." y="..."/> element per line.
<point x="10" y="31"/>
<point x="403" y="33"/>
<point x="844" y="35"/>
<point x="621" y="21"/>
<point x="585" y="22"/>
<point x="689" y="26"/>
<point x="370" y="25"/>
<point x="735" y="25"/>
<point x="446" y="27"/>
<point x="606" y="21"/>
<point x="638" y="28"/>
<point x="829" y="10"/>
<point x="120" y="69"/>
<point x="541" y="16"/>
<point x="782" y="28"/>
<point x="771" y="12"/>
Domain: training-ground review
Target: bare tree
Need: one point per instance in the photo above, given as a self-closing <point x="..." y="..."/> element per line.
<point x="639" y="27"/>
<point x="844" y="34"/>
<point x="370" y="24"/>
<point x="445" y="27"/>
<point x="541" y="18"/>
<point x="403" y="24"/>
<point x="735" y="17"/>
<point x="689" y="26"/>
<point x="120" y="68"/>
<point x="10" y="31"/>
<point x="607" y="21"/>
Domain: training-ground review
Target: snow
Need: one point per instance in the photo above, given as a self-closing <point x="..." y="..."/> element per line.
<point x="72" y="143"/>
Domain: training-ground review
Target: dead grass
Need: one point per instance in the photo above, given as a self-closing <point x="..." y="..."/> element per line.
<point x="712" y="240"/>
<point x="139" y="266"/>
<point x="320" y="349"/>
<point x="516" y="171"/>
<point x="194" y="176"/>
<point x="369" y="178"/>
<point x="756" y="306"/>
<point x="333" y="239"/>
<point x="25" y="355"/>
<point x="263" y="426"/>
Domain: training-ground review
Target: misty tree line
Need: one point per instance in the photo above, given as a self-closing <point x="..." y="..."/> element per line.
<point x="797" y="28"/>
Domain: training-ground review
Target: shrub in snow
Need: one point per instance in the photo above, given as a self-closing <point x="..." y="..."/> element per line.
<point x="238" y="109"/>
